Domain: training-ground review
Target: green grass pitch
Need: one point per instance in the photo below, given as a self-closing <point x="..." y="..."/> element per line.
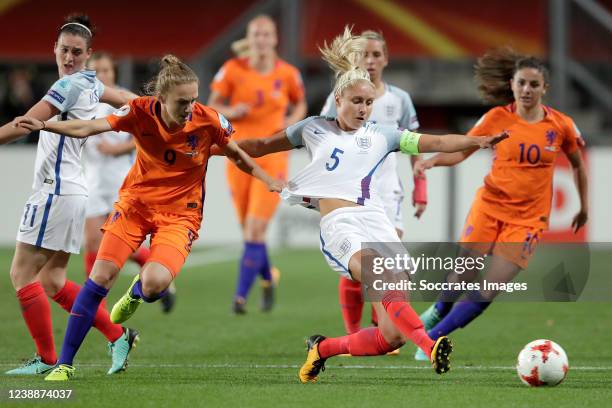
<point x="201" y="355"/>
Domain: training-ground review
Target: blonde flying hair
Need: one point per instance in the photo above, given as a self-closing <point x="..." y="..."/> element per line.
<point x="344" y="56"/>
<point x="173" y="72"/>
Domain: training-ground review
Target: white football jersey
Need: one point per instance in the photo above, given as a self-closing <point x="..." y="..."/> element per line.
<point x="343" y="164"/>
<point x="393" y="108"/>
<point x="105" y="174"/>
<point x="58" y="167"/>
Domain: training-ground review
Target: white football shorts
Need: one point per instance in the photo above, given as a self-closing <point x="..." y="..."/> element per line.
<point x="348" y="230"/>
<point x="53" y="222"/>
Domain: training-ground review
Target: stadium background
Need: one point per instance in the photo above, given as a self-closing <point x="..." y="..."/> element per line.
<point x="200" y="355"/>
<point x="433" y="46"/>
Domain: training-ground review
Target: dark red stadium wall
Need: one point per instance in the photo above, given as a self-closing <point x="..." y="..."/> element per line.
<point x="413" y="28"/>
<point x="437" y="28"/>
<point x="139" y="29"/>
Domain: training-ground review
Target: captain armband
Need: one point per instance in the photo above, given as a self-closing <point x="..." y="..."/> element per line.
<point x="409" y="142"/>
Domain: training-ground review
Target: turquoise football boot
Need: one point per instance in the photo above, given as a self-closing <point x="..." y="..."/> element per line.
<point x="33" y="366"/>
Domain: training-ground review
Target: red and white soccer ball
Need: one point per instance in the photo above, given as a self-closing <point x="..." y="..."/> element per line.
<point x="542" y="363"/>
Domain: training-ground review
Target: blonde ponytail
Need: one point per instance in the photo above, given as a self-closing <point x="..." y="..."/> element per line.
<point x="344" y="56"/>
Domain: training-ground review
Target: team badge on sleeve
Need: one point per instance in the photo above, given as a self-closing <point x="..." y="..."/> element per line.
<point x="124" y="110"/>
<point x="226" y="125"/>
<point x="56" y="95"/>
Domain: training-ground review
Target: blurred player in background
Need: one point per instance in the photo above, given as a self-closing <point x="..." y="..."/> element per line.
<point x="511" y="211"/>
<point x="52" y="224"/>
<point x="108" y="157"/>
<point x="261" y="94"/>
<point x="162" y="196"/>
<point x="345" y="153"/>
<point x="392" y="107"/>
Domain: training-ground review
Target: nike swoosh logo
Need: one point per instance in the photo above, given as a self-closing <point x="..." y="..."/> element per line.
<point x="75" y="314"/>
<point x="318" y="132"/>
<point x="399" y="311"/>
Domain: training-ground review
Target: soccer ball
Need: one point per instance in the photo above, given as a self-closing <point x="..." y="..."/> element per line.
<point x="542" y="363"/>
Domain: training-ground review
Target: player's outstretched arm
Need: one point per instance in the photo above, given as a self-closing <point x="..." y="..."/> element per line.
<point x="117" y="97"/>
<point x="454" y="148"/>
<point x="263" y="146"/>
<point x="42" y="110"/>
<point x="457" y="143"/>
<point x="245" y="163"/>
<point x="71" y="128"/>
<point x="441" y="160"/>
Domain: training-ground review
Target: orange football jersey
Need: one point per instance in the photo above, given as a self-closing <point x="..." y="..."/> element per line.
<point x="267" y="95"/>
<point x="518" y="189"/>
<point x="170" y="167"/>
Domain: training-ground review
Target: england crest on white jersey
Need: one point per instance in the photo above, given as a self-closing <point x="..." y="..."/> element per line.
<point x="343" y="164"/>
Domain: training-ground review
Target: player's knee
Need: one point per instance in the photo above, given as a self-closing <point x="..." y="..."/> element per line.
<point x="22" y="274"/>
<point x="17" y="278"/>
<point x="255" y="229"/>
<point x="104" y="273"/>
<point x="153" y="285"/>
<point x="152" y="288"/>
<point x="52" y="284"/>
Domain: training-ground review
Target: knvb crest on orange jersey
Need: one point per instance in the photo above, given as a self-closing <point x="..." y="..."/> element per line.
<point x="192" y="142"/>
<point x="551" y="136"/>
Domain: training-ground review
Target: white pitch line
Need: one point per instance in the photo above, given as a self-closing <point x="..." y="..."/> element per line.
<point x="211" y="257"/>
<point x="348" y="367"/>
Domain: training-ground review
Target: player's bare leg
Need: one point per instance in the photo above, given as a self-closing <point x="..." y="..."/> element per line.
<point x="398" y="323"/>
<point x="52" y="276"/>
<point x="148" y="287"/>
<point x="27" y="263"/>
<point x="93" y="238"/>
